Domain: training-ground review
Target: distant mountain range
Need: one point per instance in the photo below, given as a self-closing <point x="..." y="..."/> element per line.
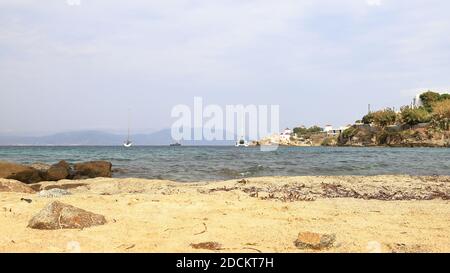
<point x="100" y="138"/>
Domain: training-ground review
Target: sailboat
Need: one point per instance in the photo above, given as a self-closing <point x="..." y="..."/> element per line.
<point x="242" y="143"/>
<point x="128" y="143"/>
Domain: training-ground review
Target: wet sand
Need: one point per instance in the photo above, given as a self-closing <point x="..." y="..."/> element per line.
<point x="367" y="214"/>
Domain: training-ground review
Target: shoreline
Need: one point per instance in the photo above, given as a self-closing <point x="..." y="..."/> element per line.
<point x="265" y="214"/>
<point x="232" y="146"/>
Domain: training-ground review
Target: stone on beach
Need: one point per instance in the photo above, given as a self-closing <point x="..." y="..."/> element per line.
<point x="316" y="241"/>
<point x="19" y="172"/>
<point x="58" y="215"/>
<point x="58" y="171"/>
<point x="53" y="193"/>
<point x="14" y="186"/>
<point x="93" y="169"/>
<point x="207" y="245"/>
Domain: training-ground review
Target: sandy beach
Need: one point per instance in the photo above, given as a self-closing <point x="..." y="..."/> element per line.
<point x="366" y="214"/>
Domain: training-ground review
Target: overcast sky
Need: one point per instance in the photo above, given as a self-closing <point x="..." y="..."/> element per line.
<point x="71" y="67"/>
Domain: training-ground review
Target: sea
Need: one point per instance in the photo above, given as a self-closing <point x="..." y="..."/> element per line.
<point x="211" y="163"/>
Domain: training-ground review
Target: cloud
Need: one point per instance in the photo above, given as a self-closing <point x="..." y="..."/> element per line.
<point x="286" y="52"/>
<point x="374" y="2"/>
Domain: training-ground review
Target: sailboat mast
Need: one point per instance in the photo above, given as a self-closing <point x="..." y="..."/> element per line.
<point x="129" y="118"/>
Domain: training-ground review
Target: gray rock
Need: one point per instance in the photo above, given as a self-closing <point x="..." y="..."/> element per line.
<point x="53" y="193"/>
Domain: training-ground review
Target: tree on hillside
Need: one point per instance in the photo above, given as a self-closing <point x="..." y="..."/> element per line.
<point x="368" y="119"/>
<point x="429" y="98"/>
<point x="315" y="129"/>
<point x="385" y="117"/>
<point x="444" y="97"/>
<point x="300" y="131"/>
<point x="441" y="114"/>
<point x="413" y="116"/>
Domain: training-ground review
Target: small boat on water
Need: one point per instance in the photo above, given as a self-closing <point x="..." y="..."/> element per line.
<point x="176" y="144"/>
<point x="128" y="143"/>
<point x="242" y="143"/>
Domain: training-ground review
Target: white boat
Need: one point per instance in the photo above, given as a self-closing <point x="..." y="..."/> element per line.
<point x="128" y="143"/>
<point x="242" y="143"/>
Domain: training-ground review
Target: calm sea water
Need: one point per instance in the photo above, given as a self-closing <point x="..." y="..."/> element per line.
<point x="218" y="163"/>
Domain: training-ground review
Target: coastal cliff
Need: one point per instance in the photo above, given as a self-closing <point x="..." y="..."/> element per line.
<point x="425" y="123"/>
<point x="370" y="136"/>
<point x="395" y="136"/>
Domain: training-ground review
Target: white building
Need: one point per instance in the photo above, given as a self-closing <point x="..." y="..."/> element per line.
<point x="334" y="131"/>
<point x="328" y="128"/>
<point x="417" y="101"/>
<point x="286" y="134"/>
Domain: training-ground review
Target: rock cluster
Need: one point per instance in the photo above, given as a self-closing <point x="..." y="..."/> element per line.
<point x="62" y="170"/>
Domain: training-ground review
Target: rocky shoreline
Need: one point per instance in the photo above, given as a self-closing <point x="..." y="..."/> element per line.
<point x="62" y="170"/>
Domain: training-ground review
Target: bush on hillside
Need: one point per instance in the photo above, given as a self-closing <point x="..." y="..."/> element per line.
<point x="413" y="116"/>
<point x="301" y="131"/>
<point x="368" y="119"/>
<point x="349" y="133"/>
<point x="441" y="114"/>
<point x="385" y="117"/>
<point x="429" y="98"/>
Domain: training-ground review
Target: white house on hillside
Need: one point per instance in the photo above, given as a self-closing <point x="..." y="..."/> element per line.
<point x="286" y="134"/>
<point x="334" y="131"/>
<point x="417" y="101"/>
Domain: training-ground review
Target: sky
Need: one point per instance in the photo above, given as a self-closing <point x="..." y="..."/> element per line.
<point x="69" y="65"/>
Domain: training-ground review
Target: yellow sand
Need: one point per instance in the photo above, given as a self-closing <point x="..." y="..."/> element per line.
<point x="163" y="216"/>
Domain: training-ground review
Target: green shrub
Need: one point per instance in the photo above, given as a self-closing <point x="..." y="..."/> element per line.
<point x="385" y="117"/>
<point x="368" y="119"/>
<point x="445" y="97"/>
<point x="302" y="131"/>
<point x="428" y="99"/>
<point x="441" y="114"/>
<point x="349" y="133"/>
<point x="413" y="116"/>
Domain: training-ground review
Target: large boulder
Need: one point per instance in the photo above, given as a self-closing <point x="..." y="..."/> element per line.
<point x="19" y="172"/>
<point x="14" y="186"/>
<point x="58" y="171"/>
<point x="92" y="169"/>
<point x="58" y="215"/>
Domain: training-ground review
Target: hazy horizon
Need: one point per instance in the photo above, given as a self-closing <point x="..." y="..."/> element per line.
<point x="72" y="67"/>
